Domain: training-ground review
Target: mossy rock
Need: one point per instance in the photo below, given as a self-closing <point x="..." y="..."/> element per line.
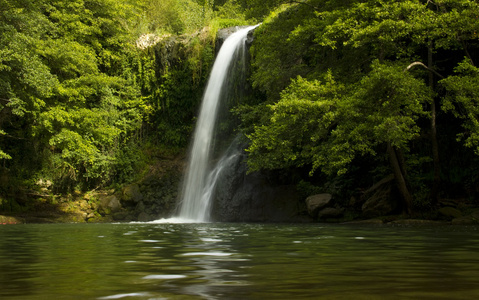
<point x="10" y="220"/>
<point x="450" y="212"/>
<point x="472" y="219"/>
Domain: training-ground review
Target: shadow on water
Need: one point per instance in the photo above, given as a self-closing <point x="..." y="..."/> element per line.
<point x="16" y="251"/>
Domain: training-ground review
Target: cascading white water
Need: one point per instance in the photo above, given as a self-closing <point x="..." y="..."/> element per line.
<point x="199" y="183"/>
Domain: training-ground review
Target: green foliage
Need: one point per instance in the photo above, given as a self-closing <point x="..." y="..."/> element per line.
<point x="230" y="10"/>
<point x="331" y="78"/>
<point x="258" y="9"/>
<point x="175" y="16"/>
<point x="363" y="84"/>
<point x="77" y="98"/>
<point x="327" y="124"/>
<point x="4" y="155"/>
<point x="65" y="87"/>
<point x="172" y="86"/>
<point x="276" y="58"/>
<point x="462" y="100"/>
<point x="306" y="111"/>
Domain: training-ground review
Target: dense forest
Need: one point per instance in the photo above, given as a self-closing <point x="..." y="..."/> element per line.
<point x="81" y="104"/>
<point x="344" y="93"/>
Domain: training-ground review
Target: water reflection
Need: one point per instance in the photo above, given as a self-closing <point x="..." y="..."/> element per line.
<point x="237" y="261"/>
<point x="17" y="241"/>
<point x="210" y="259"/>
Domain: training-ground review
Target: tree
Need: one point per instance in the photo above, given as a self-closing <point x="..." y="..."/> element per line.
<point x="462" y="100"/>
<point x="65" y="87"/>
<point x="342" y="38"/>
<point x="329" y="124"/>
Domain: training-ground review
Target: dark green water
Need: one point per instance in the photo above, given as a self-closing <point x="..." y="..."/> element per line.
<point x="237" y="261"/>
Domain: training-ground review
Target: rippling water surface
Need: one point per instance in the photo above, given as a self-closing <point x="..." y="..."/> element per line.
<point x="237" y="261"/>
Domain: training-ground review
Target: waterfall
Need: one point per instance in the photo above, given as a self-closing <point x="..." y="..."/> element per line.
<point x="199" y="183"/>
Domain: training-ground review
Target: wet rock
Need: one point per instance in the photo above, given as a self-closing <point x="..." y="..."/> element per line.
<point x="415" y="222"/>
<point x="449" y="212"/>
<point x="472" y="219"/>
<point x="83" y="205"/>
<point x="144" y="217"/>
<point x="317" y="202"/>
<point x="224" y="33"/>
<point x="140" y="207"/>
<point x="10" y="220"/>
<point x="131" y="194"/>
<point x="122" y="216"/>
<point x="366" y="222"/>
<point x="109" y="204"/>
<point x="255" y="197"/>
<point x="330" y="212"/>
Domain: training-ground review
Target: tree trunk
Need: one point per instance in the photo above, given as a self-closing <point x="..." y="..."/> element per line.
<point x="435" y="147"/>
<point x="400" y="178"/>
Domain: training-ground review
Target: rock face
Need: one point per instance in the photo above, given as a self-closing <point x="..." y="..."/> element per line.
<point x="224" y="33"/>
<point x="131" y="194"/>
<point x="148" y="40"/>
<point x="257" y="197"/>
<point x="153" y="197"/>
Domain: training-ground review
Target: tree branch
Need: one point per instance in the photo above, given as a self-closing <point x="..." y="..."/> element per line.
<point x="468" y="55"/>
<point x="418" y="63"/>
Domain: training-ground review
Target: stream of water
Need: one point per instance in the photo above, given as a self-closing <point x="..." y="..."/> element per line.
<point x="237" y="261"/>
<point x="200" y="179"/>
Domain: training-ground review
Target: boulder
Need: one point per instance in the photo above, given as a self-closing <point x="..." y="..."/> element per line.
<point x="450" y="212"/>
<point x="330" y="212"/>
<point x="317" y="202"/>
<point x="140" y="208"/>
<point x="132" y="194"/>
<point x="122" y="216"/>
<point x="110" y="204"/>
<point x="144" y="217"/>
<point x="472" y="219"/>
<point x="10" y="220"/>
<point x="83" y="205"/>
